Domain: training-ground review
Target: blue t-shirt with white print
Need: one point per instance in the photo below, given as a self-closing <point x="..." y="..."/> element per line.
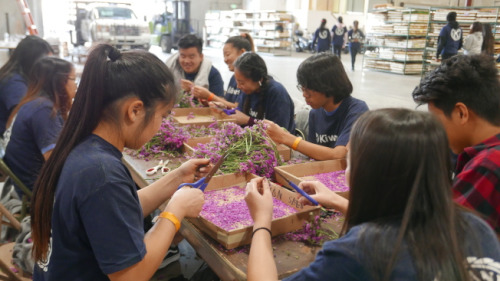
<point x="232" y="92"/>
<point x="452" y="40"/>
<point x="97" y="221"/>
<point x="333" y="128"/>
<point x="278" y="106"/>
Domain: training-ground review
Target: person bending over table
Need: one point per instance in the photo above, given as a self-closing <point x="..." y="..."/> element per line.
<point x="399" y="175"/>
<point x="327" y="89"/>
<point x="87" y="215"/>
<point x="264" y="97"/>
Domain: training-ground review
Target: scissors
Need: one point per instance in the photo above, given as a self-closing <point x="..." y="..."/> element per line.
<point x="298" y="189"/>
<point x="161" y="166"/>
<point x="203" y="182"/>
<point x="229" y="111"/>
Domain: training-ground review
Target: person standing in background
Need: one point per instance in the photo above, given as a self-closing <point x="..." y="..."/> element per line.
<point x="355" y="37"/>
<point x="474" y="41"/>
<point x="450" y="38"/>
<point x="339" y="34"/>
<point x="488" y="46"/>
<point x="322" y="37"/>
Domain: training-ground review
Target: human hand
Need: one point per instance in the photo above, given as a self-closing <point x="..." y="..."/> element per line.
<point x="186" y="85"/>
<point x="240" y="117"/>
<point x="193" y="169"/>
<point x="325" y="197"/>
<point x="217" y="104"/>
<point x="200" y="92"/>
<point x="186" y="202"/>
<point x="260" y="202"/>
<point x="275" y="132"/>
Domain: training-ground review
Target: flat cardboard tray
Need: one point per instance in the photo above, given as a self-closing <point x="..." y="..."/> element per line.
<point x="190" y="144"/>
<point x="202" y="116"/>
<point x="297" y="173"/>
<point x="242" y="236"/>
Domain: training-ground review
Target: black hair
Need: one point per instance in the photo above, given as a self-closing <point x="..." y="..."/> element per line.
<point x="252" y="66"/>
<point x="405" y="197"/>
<point x="109" y="78"/>
<point x="488" y="47"/>
<point x="48" y="78"/>
<point x="190" y="40"/>
<point x="340" y="19"/>
<point x="323" y="23"/>
<point x="242" y="42"/>
<point x="451" y="17"/>
<point x="324" y="73"/>
<point x="470" y="79"/>
<point x="27" y="52"/>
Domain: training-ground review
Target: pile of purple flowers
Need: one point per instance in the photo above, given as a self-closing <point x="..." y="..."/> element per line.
<point x="187" y="100"/>
<point x="335" y="181"/>
<point x="314" y="232"/>
<point x="250" y="150"/>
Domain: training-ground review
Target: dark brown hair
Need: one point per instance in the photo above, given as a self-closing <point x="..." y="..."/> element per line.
<point x="48" y="78"/>
<point x="242" y="42"/>
<point x="488" y="46"/>
<point x="108" y="78"/>
<point x="406" y="196"/>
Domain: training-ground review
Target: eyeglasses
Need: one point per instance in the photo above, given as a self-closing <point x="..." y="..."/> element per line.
<point x="300" y="88"/>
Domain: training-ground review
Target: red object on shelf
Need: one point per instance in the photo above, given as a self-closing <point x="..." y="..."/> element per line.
<point x="28" y="18"/>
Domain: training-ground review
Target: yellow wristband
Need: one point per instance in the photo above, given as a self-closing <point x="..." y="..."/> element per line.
<point x="296" y="143"/>
<point x="171" y="217"/>
<point x="211" y="97"/>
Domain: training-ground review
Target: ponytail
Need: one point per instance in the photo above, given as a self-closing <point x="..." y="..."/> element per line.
<point x="242" y="42"/>
<point x="109" y="77"/>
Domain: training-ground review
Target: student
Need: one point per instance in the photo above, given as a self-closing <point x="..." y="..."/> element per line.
<point x="464" y="93"/>
<point x="474" y="41"/>
<point x="401" y="222"/>
<point x="339" y="32"/>
<point x="450" y="38"/>
<point x="13" y="75"/>
<point x="193" y="69"/>
<point x="488" y="46"/>
<point x="233" y="48"/>
<point x="264" y="97"/>
<point x="37" y="120"/>
<point x="86" y="213"/>
<point x="327" y="89"/>
<point x="322" y="37"/>
<point x="355" y="37"/>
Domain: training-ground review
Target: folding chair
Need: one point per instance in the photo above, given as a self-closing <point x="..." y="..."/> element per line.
<point x="26" y="192"/>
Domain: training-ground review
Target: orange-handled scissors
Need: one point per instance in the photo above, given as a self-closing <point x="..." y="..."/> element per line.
<point x="203" y="182"/>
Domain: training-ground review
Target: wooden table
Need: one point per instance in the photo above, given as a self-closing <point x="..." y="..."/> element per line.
<point x="290" y="256"/>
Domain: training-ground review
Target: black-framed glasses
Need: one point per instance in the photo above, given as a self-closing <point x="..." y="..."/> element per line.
<point x="300" y="88"/>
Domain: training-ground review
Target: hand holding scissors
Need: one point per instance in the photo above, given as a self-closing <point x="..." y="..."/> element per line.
<point x="203" y="182"/>
<point x="298" y="189"/>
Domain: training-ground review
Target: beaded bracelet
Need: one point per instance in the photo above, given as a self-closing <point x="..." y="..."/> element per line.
<point x="265" y="228"/>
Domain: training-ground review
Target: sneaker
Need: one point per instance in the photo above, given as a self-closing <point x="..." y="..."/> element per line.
<point x="172" y="255"/>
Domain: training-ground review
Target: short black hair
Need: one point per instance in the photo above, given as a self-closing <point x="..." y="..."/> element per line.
<point x="451" y="16"/>
<point x="324" y="73"/>
<point x="471" y="80"/>
<point x="189" y="41"/>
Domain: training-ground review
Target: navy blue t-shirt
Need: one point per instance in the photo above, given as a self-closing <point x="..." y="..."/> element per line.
<point x="345" y="258"/>
<point x="215" y="83"/>
<point x="97" y="223"/>
<point x="278" y="106"/>
<point x="12" y="90"/>
<point x="338" y="35"/>
<point x="323" y="39"/>
<point x="352" y="35"/>
<point x="450" y="40"/>
<point x="34" y="133"/>
<point x="232" y="92"/>
<point x="333" y="128"/>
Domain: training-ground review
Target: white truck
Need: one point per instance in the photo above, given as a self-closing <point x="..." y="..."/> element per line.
<point x="113" y="24"/>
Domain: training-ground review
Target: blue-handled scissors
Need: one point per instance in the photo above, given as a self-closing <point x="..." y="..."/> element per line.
<point x="298" y="189"/>
<point x="229" y="111"/>
<point x="203" y="182"/>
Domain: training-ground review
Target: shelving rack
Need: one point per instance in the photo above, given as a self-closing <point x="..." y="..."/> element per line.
<point x="396" y="39"/>
<point x="270" y="29"/>
<point x="465" y="17"/>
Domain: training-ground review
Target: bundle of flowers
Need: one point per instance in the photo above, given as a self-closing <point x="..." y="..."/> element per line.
<point x="335" y="181"/>
<point x="170" y="137"/>
<point x="226" y="208"/>
<point x="187" y="100"/>
<point x="250" y="150"/>
<point x="315" y="232"/>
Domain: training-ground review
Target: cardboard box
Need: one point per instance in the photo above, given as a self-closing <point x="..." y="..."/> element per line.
<point x="242" y="236"/>
<point x="297" y="173"/>
<point x="202" y="116"/>
<point x="190" y="144"/>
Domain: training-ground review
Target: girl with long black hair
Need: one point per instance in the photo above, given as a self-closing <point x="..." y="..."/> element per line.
<point x="400" y="223"/>
<point x="86" y="213"/>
